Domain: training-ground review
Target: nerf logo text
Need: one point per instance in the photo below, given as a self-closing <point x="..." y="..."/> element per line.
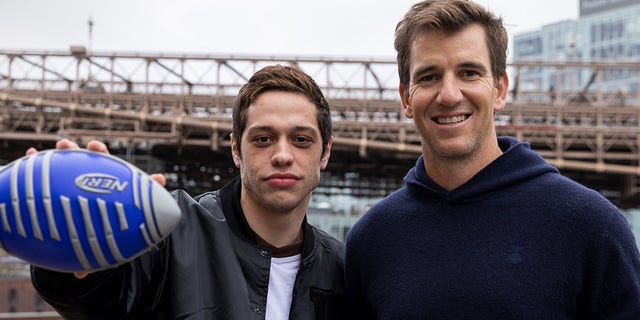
<point x="99" y="183"/>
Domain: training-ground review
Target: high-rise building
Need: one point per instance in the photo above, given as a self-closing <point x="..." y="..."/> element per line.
<point x="605" y="31"/>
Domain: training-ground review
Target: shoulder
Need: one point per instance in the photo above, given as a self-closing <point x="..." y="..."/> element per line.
<point x="573" y="195"/>
<point x="327" y="242"/>
<point x="323" y="249"/>
<point x="383" y="214"/>
<point x="584" y="209"/>
<point x="209" y="199"/>
<point x="203" y="205"/>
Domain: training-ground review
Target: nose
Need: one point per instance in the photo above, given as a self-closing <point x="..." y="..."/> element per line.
<point x="449" y="94"/>
<point x="282" y="155"/>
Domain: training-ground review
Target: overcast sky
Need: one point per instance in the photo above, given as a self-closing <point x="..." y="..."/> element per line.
<point x="337" y="28"/>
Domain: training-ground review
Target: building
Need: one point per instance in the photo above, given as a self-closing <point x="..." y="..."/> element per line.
<point x="17" y="295"/>
<point x="605" y="31"/>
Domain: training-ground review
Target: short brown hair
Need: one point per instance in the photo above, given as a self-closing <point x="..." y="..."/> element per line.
<point x="281" y="78"/>
<point x="449" y="16"/>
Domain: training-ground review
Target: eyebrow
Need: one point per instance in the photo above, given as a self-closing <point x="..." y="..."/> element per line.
<point x="423" y="70"/>
<point x="464" y="65"/>
<point x="474" y="65"/>
<point x="271" y="128"/>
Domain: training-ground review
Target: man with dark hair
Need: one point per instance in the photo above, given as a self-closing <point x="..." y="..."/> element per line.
<point x="245" y="251"/>
<point x="484" y="228"/>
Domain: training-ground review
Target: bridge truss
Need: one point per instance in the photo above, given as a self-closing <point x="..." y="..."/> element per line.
<point x="141" y="101"/>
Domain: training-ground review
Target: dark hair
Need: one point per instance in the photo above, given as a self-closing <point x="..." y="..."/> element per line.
<point x="281" y="78"/>
<point x="449" y="16"/>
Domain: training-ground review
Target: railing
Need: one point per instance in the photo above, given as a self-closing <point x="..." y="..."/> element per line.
<point x="132" y="99"/>
<point x="586" y="119"/>
<point x="364" y="79"/>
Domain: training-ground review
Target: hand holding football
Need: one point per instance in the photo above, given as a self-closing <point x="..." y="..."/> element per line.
<point x="76" y="210"/>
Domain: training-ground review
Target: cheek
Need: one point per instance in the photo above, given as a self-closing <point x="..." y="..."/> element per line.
<point x="413" y="91"/>
<point x="420" y="95"/>
<point x="419" y="99"/>
<point x="487" y="86"/>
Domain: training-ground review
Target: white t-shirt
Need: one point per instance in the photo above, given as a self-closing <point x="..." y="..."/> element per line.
<point x="282" y="277"/>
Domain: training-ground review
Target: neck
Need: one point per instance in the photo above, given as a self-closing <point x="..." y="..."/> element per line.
<point x="279" y="229"/>
<point x="451" y="173"/>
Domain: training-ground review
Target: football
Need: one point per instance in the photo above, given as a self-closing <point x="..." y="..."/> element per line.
<point x="76" y="210"/>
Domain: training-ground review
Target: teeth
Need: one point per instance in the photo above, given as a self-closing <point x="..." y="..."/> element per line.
<point x="450" y="120"/>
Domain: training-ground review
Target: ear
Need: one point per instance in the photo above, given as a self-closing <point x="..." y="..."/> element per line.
<point x="234" y="151"/>
<point x="327" y="153"/>
<point x="404" y="98"/>
<point x="502" y="89"/>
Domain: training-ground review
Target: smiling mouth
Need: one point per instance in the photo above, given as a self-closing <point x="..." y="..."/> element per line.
<point x="450" y="120"/>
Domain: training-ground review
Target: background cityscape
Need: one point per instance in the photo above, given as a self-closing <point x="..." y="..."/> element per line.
<point x="572" y="76"/>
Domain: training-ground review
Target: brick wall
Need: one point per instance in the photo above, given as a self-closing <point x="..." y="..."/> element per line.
<point x="18" y="295"/>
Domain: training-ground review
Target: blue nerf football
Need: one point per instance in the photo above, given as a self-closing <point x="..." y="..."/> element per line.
<point x="76" y="210"/>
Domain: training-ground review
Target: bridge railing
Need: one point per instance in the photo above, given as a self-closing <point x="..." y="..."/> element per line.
<point x="178" y="74"/>
<point x="364" y="79"/>
<point x="576" y="82"/>
<point x="591" y="116"/>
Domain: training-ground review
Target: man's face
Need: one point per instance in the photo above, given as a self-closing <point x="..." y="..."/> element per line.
<point x="281" y="156"/>
<point x="453" y="94"/>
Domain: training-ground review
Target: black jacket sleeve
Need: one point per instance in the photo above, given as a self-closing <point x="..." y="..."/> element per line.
<point x="129" y="291"/>
<point x="78" y="298"/>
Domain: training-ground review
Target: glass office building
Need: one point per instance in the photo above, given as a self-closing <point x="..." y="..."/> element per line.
<point x="606" y="30"/>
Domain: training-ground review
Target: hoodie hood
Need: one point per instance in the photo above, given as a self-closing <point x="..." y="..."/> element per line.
<point x="517" y="163"/>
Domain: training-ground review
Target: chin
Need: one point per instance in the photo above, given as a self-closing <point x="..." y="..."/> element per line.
<point x="452" y="147"/>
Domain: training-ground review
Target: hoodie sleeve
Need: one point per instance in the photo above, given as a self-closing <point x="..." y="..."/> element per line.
<point x="612" y="289"/>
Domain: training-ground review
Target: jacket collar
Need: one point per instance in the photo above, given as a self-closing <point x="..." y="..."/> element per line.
<point x="233" y="213"/>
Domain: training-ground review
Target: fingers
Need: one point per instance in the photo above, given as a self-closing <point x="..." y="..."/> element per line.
<point x="159" y="178"/>
<point x="97" y="146"/>
<point x="93" y="145"/>
<point x="80" y="275"/>
<point x="31" y="151"/>
<point x="66" y="144"/>
<point x="60" y="144"/>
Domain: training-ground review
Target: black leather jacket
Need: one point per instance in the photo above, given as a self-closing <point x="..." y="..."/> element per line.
<point x="210" y="267"/>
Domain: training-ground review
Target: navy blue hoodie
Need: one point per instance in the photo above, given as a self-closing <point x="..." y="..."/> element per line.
<point x="517" y="241"/>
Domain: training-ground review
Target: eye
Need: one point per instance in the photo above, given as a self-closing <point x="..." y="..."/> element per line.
<point x="428" y="78"/>
<point x="302" y="141"/>
<point x="262" y="140"/>
<point x="469" y="74"/>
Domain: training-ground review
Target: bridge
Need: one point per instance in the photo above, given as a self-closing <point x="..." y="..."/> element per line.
<point x="177" y="107"/>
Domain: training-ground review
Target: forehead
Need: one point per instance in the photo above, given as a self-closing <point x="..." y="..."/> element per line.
<point x="443" y="46"/>
<point x="281" y="109"/>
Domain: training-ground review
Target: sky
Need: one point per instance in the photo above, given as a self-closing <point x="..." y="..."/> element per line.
<point x="333" y="28"/>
